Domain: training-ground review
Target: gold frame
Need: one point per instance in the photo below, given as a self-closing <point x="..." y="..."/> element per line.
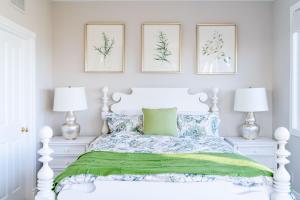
<point x="197" y="50"/>
<point x="142" y="46"/>
<point x="85" y="46"/>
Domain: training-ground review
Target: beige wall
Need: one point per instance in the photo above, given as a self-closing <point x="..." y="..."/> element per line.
<point x="281" y="80"/>
<point x="37" y="18"/>
<point x="254" y="22"/>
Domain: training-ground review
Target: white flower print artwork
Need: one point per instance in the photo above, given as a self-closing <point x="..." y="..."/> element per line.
<point x="216" y="49"/>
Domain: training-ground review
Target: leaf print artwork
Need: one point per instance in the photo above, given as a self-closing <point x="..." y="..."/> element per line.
<point x="162" y="48"/>
<point x="214" y="48"/>
<point x="105" y="49"/>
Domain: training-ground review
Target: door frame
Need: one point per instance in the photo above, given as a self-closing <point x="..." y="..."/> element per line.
<point x="30" y="38"/>
<point x="293" y="9"/>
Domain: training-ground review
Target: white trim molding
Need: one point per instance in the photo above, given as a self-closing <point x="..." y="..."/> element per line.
<point x="293" y="70"/>
<point x="14" y="28"/>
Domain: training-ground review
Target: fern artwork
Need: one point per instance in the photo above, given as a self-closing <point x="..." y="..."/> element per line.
<point x="106" y="48"/>
<point x="162" y="48"/>
<point x="216" y="49"/>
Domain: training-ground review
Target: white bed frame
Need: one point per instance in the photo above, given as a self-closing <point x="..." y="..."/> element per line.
<point x="132" y="104"/>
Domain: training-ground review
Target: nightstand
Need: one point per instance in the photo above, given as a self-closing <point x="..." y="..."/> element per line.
<point x="262" y="150"/>
<point x="67" y="151"/>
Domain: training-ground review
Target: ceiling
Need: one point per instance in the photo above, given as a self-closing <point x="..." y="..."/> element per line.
<point x="167" y="0"/>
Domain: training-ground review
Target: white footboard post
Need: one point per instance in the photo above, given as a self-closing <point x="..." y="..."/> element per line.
<point x="281" y="178"/>
<point x="45" y="174"/>
<point x="214" y="107"/>
<point x="105" y="110"/>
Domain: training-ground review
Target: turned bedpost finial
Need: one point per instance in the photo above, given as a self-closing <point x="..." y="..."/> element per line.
<point x="45" y="174"/>
<point x="215" y="98"/>
<point x="281" y="177"/>
<point x="105" y="110"/>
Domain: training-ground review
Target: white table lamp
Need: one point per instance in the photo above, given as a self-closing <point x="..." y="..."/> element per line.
<point x="250" y="100"/>
<point x="70" y="99"/>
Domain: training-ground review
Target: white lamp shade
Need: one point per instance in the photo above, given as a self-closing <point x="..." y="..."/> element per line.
<point x="69" y="99"/>
<point x="251" y="100"/>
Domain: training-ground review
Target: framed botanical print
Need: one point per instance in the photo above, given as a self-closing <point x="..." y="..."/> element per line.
<point x="161" y="46"/>
<point x="104" y="47"/>
<point x="216" y="48"/>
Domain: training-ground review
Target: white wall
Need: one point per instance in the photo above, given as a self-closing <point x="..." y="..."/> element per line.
<point x="281" y="80"/>
<point x="255" y="38"/>
<point x="37" y="18"/>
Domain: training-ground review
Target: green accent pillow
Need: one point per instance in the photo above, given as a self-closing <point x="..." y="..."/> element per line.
<point x="160" y="121"/>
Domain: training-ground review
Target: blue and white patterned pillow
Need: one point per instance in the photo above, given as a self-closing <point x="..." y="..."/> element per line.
<point x="198" y="125"/>
<point x="119" y="122"/>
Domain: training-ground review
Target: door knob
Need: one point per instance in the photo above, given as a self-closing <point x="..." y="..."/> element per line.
<point x="24" y="130"/>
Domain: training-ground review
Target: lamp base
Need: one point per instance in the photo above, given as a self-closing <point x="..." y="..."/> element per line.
<point x="70" y="129"/>
<point x="250" y="130"/>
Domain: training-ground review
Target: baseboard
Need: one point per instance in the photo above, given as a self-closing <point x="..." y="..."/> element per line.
<point x="296" y="194"/>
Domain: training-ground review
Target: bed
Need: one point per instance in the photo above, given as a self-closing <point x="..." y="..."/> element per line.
<point x="120" y="164"/>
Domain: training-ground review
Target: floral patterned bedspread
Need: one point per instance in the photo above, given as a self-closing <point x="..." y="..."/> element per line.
<point x="135" y="142"/>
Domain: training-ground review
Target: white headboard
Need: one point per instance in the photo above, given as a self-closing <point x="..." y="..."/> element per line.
<point x="157" y="98"/>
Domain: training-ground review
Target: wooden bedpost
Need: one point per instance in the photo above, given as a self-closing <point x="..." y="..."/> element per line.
<point x="281" y="178"/>
<point x="45" y="174"/>
<point x="215" y="98"/>
<point x="105" y="110"/>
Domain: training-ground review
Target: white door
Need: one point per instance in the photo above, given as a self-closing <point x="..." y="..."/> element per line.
<point x="16" y="112"/>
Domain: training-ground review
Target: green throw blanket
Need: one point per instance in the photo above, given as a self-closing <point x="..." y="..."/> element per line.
<point x="104" y="163"/>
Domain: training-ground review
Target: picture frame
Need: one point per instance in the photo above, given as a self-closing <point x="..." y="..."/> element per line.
<point x="104" y="47"/>
<point x="161" y="47"/>
<point x="216" y="48"/>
